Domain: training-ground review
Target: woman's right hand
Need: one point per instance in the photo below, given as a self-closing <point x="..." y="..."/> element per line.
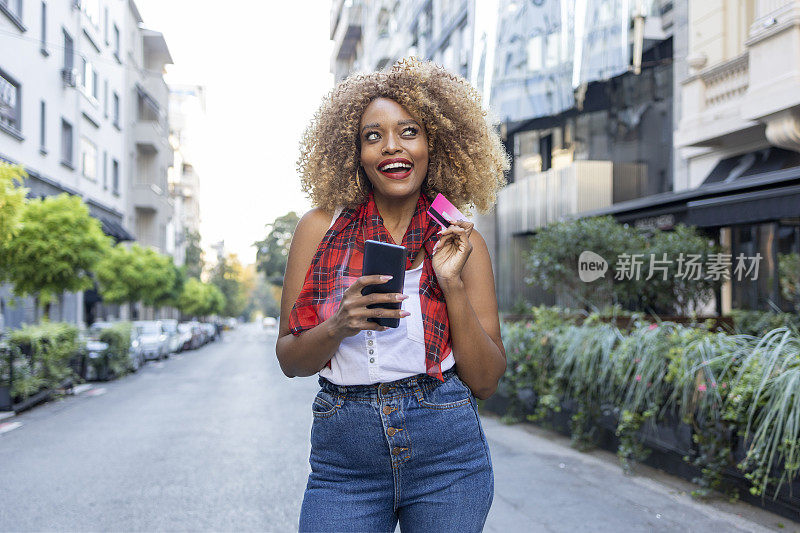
<point x="353" y="314"/>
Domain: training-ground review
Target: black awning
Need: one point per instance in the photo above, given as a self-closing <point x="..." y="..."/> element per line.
<point x="115" y="229"/>
<point x="751" y="207"/>
<point x="753" y="163"/>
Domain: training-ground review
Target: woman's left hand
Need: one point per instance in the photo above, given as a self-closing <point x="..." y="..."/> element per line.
<point x="451" y="251"/>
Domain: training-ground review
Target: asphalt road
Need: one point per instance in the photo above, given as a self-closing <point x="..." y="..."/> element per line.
<point x="218" y="440"/>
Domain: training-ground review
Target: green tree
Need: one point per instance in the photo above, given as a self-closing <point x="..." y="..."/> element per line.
<point x="272" y="252"/>
<point x="137" y="275"/>
<point x="12" y="200"/>
<point x="552" y="263"/>
<point x="227" y="277"/>
<point x="193" y="261"/>
<point x="200" y="299"/>
<point x="57" y="247"/>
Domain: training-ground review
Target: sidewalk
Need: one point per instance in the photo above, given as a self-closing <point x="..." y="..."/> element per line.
<point x="543" y="484"/>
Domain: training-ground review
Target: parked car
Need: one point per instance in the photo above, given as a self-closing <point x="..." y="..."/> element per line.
<point x="210" y="331"/>
<point x="173" y="337"/>
<point x="187" y="337"/>
<point x="153" y="339"/>
<point x="197" y="329"/>
<point x="269" y="323"/>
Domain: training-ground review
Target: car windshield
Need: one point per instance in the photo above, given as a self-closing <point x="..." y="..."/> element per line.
<point x="148" y="329"/>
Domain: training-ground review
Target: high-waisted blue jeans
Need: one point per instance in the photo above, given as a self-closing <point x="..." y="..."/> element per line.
<point x="411" y="450"/>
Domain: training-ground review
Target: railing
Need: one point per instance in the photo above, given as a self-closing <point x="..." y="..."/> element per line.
<point x="726" y="81"/>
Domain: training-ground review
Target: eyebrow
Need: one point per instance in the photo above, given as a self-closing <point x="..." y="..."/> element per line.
<point x="399" y="123"/>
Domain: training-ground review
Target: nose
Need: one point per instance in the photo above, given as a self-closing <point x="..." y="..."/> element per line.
<point x="391" y="146"/>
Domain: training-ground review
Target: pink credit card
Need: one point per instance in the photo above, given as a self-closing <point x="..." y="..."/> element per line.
<point x="444" y="212"/>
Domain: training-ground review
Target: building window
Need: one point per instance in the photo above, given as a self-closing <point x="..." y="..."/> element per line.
<point x="115" y="109"/>
<point x="13" y="10"/>
<point x="115" y="177"/>
<point x="42" y="127"/>
<point x="10" y="108"/>
<point x="105" y="98"/>
<point x="105" y="24"/>
<point x="89" y="80"/>
<point x="88" y="159"/>
<point x="105" y="170"/>
<point x="44" y="29"/>
<point x="69" y="52"/>
<point x="116" y="42"/>
<point x="66" y="143"/>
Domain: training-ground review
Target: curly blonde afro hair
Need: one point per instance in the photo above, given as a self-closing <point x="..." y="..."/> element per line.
<point x="466" y="158"/>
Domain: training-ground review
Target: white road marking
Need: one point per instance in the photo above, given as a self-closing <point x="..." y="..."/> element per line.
<point x="6" y="414"/>
<point x="8" y="426"/>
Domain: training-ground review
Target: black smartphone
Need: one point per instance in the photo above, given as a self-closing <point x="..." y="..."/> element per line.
<point x="387" y="260"/>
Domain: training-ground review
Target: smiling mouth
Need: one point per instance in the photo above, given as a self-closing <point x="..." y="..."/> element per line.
<point x="396" y="170"/>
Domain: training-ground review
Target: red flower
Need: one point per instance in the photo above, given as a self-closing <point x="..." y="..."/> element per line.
<point x="701" y="388"/>
<point x="637" y="360"/>
<point x="653" y="326"/>
<point x="638" y="377"/>
<point x="723" y="385"/>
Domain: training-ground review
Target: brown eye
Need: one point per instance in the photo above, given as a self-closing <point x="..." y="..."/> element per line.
<point x="369" y="135"/>
<point x="412" y="130"/>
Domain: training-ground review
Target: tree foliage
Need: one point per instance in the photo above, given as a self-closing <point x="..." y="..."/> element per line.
<point x="227" y="277"/>
<point x="137" y="274"/>
<point x="12" y="200"/>
<point x="273" y="251"/>
<point x="200" y="299"/>
<point x="57" y="246"/>
<point x="193" y="261"/>
<point x="552" y="263"/>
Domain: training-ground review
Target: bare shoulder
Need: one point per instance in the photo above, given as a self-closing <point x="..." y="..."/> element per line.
<point x="312" y="227"/>
<point x="306" y="239"/>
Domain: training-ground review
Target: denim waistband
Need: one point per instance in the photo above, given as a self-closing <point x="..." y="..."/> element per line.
<point x="389" y="388"/>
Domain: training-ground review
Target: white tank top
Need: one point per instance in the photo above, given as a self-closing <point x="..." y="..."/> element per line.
<point x="382" y="356"/>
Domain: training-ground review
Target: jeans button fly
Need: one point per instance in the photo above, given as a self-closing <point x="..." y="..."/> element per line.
<point x="384" y="390"/>
<point x="387" y="410"/>
<point x="391" y="431"/>
<point x="396" y="450"/>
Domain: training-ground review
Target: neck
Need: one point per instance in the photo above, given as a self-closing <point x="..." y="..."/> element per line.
<point x="396" y="213"/>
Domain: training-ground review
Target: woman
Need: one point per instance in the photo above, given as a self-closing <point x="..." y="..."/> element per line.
<point x="396" y="435"/>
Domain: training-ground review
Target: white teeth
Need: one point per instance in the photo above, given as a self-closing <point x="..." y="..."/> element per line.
<point x="396" y="165"/>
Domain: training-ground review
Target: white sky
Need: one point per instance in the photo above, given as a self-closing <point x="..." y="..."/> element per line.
<point x="265" y="66"/>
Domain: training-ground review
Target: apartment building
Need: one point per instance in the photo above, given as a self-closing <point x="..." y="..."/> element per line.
<point x="186" y="112"/>
<point x="67" y="115"/>
<point x="148" y="152"/>
<point x="372" y="35"/>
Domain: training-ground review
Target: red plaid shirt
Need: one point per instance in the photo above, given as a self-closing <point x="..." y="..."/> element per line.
<point x="338" y="263"/>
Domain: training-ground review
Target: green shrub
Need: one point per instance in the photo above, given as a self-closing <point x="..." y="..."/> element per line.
<point x="118" y="338"/>
<point x="725" y="386"/>
<point x="45" y="351"/>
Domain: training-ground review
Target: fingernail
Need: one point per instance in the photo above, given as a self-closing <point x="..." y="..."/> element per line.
<point x="404" y="313"/>
<point x="386" y="278"/>
<point x="402" y="296"/>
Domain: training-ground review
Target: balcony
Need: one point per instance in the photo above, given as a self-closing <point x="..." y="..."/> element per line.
<point x="712" y="101"/>
<point x="556" y="194"/>
<point x="150" y="136"/>
<point x="149" y="198"/>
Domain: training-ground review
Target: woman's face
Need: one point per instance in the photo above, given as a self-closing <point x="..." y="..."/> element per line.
<point x="394" y="149"/>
